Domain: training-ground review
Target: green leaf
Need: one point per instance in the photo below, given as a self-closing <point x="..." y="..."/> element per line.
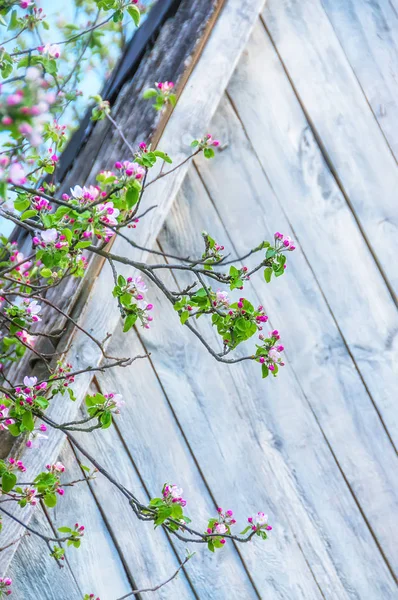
<point x="46" y="273"/>
<point x="14" y="430"/>
<point x="29" y="214"/>
<point x="64" y="529"/>
<point x="177" y="512"/>
<point x="267" y="274"/>
<point x="13" y="21"/>
<point x="106" y="419"/>
<point x="42" y="402"/>
<point x="8" y="481"/>
<point x="208" y="152"/>
<point x="132" y="196"/>
<point x="121" y="281"/>
<point x="68" y="234"/>
<point x="149" y="93"/>
<point x="270" y="253"/>
<point x="28" y="421"/>
<point x="21" y="205"/>
<point x="83" y="245"/>
<point x="134" y="14"/>
<point x="50" y="499"/>
<point x="210" y="546"/>
<point x="163" y="156"/>
<point x="156" y="502"/>
<point x="184" y="317"/>
<point x="129" y="322"/>
<point x="246" y="529"/>
<point x="50" y="65"/>
<point x="264" y="370"/>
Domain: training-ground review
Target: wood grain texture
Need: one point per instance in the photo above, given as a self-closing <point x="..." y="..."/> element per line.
<point x="197" y="104"/>
<point x="160" y="454"/>
<point x="96" y="565"/>
<point x="316" y="350"/>
<point x="36" y="575"/>
<point x="368" y="33"/>
<point x="147" y="556"/>
<point x="319" y="217"/>
<point x="342" y="121"/>
<point x="266" y="430"/>
<point x="194" y="390"/>
<point x="164" y="60"/>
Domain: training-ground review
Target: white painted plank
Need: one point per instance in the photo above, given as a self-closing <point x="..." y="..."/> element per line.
<point x="342" y="118"/>
<point x="35" y="574"/>
<point x="319" y="216"/>
<point x="196" y="105"/>
<point x="160" y="454"/>
<point x="368" y="33"/>
<point x="267" y="432"/>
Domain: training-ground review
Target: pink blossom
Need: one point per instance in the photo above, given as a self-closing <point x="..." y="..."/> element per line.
<point x="49" y="235"/>
<point x="30" y="382"/>
<point x="16" y="174"/>
<point x="53" y="50"/>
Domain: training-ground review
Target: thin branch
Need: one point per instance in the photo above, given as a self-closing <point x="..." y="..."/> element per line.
<point x="160" y="585"/>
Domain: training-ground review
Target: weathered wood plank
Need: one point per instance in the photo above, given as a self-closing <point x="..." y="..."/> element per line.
<point x="197" y="104"/>
<point x="160" y="453"/>
<point x="163" y="60"/>
<point x="96" y="565"/>
<point x="264" y="427"/>
<point x="317" y="351"/>
<point x="36" y="575"/>
<point x="342" y="121"/>
<point x="147" y="554"/>
<point x="368" y="33"/>
<point x="155" y="445"/>
<point x="320" y="218"/>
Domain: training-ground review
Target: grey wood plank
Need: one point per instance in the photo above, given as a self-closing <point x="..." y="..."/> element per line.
<point x="316" y="350"/>
<point x="96" y="565"/>
<point x="272" y="428"/>
<point x="368" y="33"/>
<point x="340" y="115"/>
<point x="147" y="555"/>
<point x="160" y="453"/>
<point x="318" y="215"/>
<point x="36" y="575"/>
<point x="278" y="568"/>
<point x="196" y="105"/>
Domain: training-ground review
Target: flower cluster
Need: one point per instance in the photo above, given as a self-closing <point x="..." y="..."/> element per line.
<point x="218" y="527"/>
<point x="130" y="294"/>
<point x="269" y="353"/>
<point x="16" y="465"/>
<point x="162" y="93"/>
<point x="172" y="494"/>
<point x="206" y="144"/>
<point x="103" y="406"/>
<point x="284" y="241"/>
<point x="24" y="113"/>
<point x="5" y="584"/>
